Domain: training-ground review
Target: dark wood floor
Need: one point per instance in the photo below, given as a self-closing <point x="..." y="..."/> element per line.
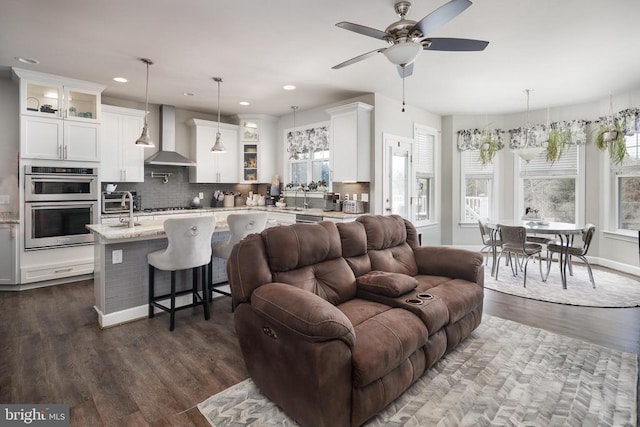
<point x="52" y="351"/>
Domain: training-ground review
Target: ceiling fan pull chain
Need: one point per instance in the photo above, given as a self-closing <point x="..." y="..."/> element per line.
<point x="403" y="94"/>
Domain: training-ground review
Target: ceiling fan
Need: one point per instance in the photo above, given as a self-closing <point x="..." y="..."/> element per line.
<point x="408" y="38"/>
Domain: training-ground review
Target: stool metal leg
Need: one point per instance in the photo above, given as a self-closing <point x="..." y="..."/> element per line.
<point x="151" y="289"/>
<point x="172" y="313"/>
<point x="205" y="298"/>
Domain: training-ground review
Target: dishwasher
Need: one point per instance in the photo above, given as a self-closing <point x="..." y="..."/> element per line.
<point x="307" y="219"/>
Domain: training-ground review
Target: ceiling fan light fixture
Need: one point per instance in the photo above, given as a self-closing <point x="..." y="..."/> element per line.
<point x="403" y="53"/>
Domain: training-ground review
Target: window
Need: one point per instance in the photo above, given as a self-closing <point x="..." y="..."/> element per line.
<point x="551" y="189"/>
<point x="477" y="187"/>
<point x="308" y="154"/>
<point x="628" y="185"/>
<point x="423" y="174"/>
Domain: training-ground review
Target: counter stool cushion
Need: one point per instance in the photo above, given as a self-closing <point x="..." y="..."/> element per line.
<point x="240" y="226"/>
<point x="189" y="244"/>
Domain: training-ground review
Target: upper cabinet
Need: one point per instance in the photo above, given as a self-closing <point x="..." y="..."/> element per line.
<point x="350" y="149"/>
<point x="121" y="160"/>
<point x="258" y="149"/>
<point x="59" y="117"/>
<point x="213" y="167"/>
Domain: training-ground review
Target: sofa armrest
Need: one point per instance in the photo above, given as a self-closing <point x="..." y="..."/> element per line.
<point x="450" y="262"/>
<point x="305" y="314"/>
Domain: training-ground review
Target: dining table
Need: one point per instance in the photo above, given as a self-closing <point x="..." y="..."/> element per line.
<point x="564" y="231"/>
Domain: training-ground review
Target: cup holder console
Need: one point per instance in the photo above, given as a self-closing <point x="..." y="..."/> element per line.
<point x="424" y="296"/>
<point x="413" y="301"/>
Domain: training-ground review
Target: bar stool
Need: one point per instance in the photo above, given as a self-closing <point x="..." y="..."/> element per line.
<point x="189" y="247"/>
<point x="240" y="226"/>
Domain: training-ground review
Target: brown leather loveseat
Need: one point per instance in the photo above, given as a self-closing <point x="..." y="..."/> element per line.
<point x="335" y="321"/>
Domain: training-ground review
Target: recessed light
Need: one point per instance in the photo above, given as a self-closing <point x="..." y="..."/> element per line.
<point x="25" y="60"/>
<point x="288" y="87"/>
<point x="120" y="79"/>
<point x="189" y="94"/>
<point x="244" y="103"/>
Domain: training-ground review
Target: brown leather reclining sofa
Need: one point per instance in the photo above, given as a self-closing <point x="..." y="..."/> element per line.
<point x="335" y="321"/>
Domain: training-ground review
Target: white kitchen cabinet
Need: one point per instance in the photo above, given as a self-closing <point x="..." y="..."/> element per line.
<point x="213" y="167"/>
<point x="258" y="134"/>
<point x="8" y="254"/>
<point x="59" y="117"/>
<point x="350" y="142"/>
<point x="121" y="160"/>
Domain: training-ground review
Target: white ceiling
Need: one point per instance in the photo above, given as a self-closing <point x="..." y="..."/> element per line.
<point x="567" y="51"/>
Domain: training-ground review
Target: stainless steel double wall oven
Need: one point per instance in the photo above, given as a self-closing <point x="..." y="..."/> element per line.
<point x="59" y="202"/>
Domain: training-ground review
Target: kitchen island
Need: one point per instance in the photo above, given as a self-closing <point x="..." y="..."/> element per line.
<point x="120" y="254"/>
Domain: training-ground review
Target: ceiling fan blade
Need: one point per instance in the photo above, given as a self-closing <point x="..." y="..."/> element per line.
<point x="456" y="45"/>
<point x="440" y="16"/>
<point x="361" y="29"/>
<point x="358" y="58"/>
<point x="405" y="71"/>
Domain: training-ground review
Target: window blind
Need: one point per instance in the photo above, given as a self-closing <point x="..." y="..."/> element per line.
<point x="567" y="165"/>
<point x="473" y="166"/>
<point x="424" y="152"/>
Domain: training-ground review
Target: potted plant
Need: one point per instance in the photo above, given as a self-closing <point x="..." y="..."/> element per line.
<point x="557" y="143"/>
<point x="610" y="136"/>
<point x="489" y="146"/>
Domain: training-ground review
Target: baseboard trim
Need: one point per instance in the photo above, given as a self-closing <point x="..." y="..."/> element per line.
<point x="140" y="312"/>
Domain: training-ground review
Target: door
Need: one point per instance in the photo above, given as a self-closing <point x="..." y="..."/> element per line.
<point x="397" y="176"/>
<point x="82" y="141"/>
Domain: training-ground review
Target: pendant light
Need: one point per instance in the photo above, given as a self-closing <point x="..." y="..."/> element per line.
<point x="293" y="146"/>
<point x="528" y="153"/>
<point x="145" y="139"/>
<point x="218" y="147"/>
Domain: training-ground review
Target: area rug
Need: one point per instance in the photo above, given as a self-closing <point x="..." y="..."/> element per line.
<point x="612" y="290"/>
<point x="503" y="374"/>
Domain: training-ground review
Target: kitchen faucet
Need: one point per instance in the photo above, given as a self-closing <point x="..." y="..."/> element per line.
<point x="123" y="203"/>
<point x="305" y="205"/>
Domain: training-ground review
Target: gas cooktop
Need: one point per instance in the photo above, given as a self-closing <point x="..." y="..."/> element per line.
<point x="170" y="208"/>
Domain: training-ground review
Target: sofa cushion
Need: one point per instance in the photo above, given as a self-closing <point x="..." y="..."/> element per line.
<point x="332" y="280"/>
<point x="397" y="259"/>
<point x="385" y="283"/>
<point x="384" y="231"/>
<point x="299" y="245"/>
<point x="384" y="342"/>
<point x="459" y="296"/>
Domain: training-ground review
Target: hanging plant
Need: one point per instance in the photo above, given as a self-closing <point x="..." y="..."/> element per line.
<point x="610" y="136"/>
<point x="557" y="143"/>
<point x="489" y="146"/>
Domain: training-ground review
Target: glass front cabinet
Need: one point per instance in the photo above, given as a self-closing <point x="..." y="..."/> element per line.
<point x="257" y="134"/>
<point x="59" y="117"/>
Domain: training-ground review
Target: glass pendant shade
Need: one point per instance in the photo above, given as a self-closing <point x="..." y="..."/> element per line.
<point x="145" y="140"/>
<point x="403" y="53"/>
<point x="218" y="147"/>
<point x="528" y="152"/>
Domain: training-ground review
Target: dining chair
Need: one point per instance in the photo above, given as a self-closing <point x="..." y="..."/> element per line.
<point x="574" y="251"/>
<point x="488" y="240"/>
<point x="514" y="244"/>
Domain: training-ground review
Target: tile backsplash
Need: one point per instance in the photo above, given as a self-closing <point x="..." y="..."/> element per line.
<point x="178" y="191"/>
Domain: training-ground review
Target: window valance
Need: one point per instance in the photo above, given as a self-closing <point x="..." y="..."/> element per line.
<point x="303" y="141"/>
<point x="472" y="139"/>
<point x="539" y="134"/>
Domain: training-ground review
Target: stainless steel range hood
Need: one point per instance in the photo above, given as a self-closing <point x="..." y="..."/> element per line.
<point x="167" y="155"/>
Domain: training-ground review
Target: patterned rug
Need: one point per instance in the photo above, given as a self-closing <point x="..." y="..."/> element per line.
<point x="503" y="374"/>
<point x="612" y="290"/>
